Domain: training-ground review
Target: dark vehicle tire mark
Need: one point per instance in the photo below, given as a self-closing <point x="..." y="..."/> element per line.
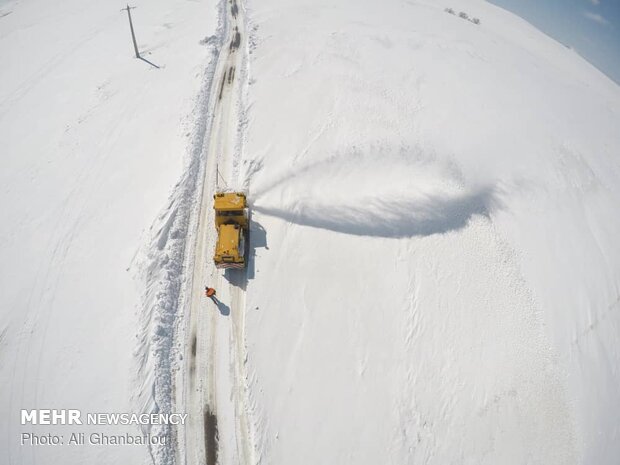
<point x="222" y="88"/>
<point x="211" y="437"/>
<point x="234" y="44"/>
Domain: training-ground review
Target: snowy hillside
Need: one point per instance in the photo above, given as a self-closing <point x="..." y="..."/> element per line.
<point x="434" y="272"/>
<point x="440" y="201"/>
<point x="93" y="142"/>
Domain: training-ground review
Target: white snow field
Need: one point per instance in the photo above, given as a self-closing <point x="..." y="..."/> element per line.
<point x="441" y="203"/>
<point x="92" y="143"/>
<point x="434" y="271"/>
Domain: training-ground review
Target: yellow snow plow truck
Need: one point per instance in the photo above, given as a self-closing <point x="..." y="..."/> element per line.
<point x="231" y="222"/>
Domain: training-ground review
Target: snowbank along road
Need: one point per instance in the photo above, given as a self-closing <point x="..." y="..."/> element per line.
<point x="211" y="386"/>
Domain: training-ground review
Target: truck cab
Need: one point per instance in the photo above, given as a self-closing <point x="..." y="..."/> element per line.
<point x="231" y="223"/>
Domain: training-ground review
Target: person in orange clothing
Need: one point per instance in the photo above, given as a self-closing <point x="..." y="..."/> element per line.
<point x="209" y="292"/>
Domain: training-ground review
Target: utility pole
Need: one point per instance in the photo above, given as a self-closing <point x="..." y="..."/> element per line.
<point x="133" y="35"/>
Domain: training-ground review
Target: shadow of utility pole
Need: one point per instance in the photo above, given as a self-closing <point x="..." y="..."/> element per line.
<point x="133" y="37"/>
<point x="147" y="61"/>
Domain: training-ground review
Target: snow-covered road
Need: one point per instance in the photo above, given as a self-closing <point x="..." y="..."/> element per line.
<point x="211" y="385"/>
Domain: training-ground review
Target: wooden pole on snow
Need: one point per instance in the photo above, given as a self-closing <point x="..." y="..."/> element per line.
<point x="133" y="35"/>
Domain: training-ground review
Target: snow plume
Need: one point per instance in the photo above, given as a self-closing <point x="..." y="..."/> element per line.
<point x="376" y="192"/>
<point x="162" y="269"/>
